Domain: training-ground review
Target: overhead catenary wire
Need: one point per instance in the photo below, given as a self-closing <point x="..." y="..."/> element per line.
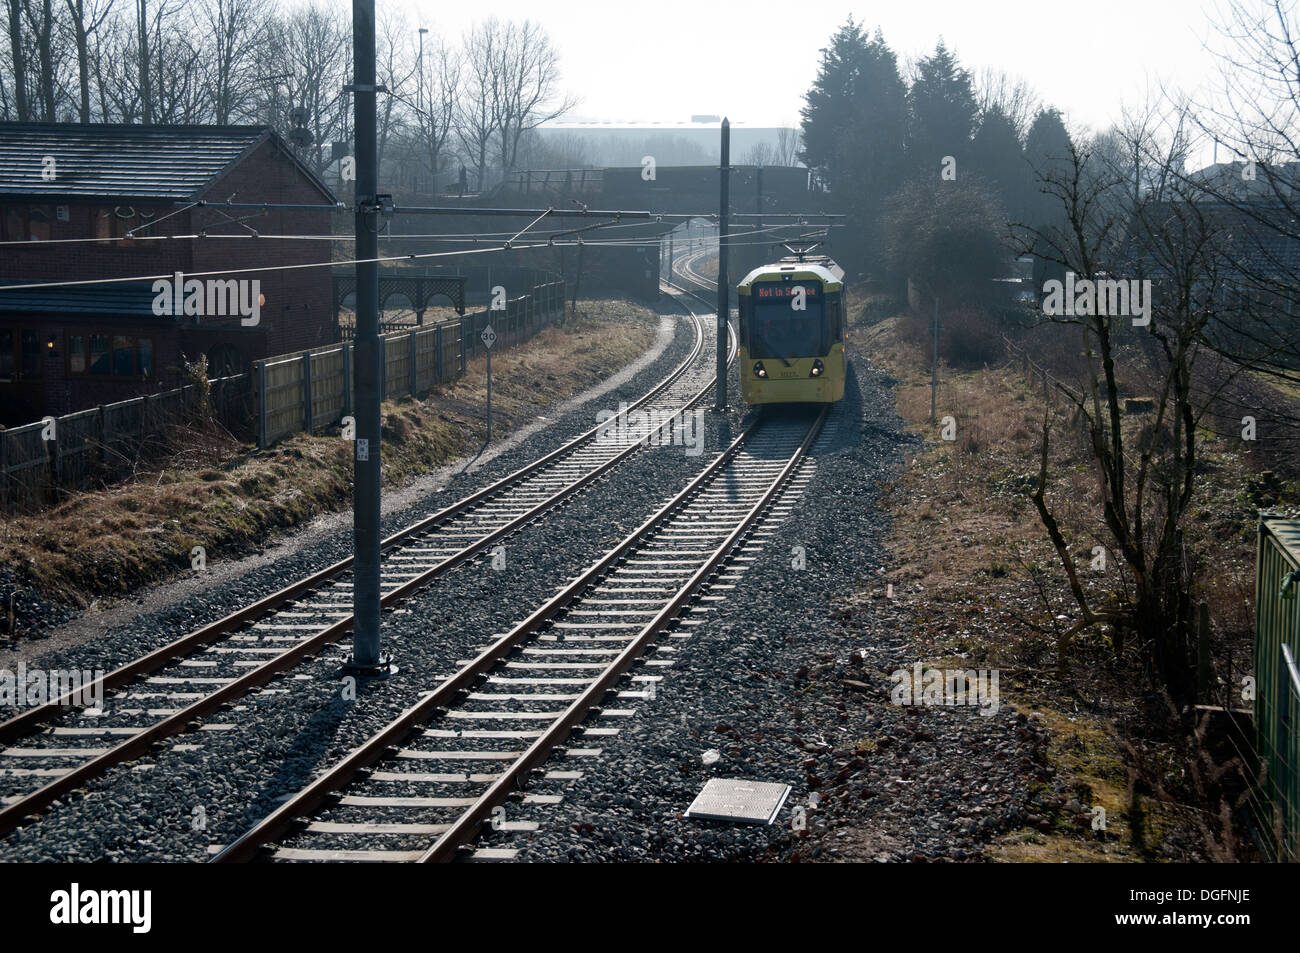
<point x="261" y="269"/>
<point x="436" y="236"/>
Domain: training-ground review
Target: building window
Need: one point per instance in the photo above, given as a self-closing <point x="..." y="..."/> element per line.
<point x="224" y="360"/>
<point x="121" y="355"/>
<point x="6" y="354"/>
<point x="29" y="355"/>
<point x="112" y="224"/>
<point x="20" y="354"/>
<point x="27" y="223"/>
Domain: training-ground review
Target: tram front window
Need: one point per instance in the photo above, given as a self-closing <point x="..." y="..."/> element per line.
<point x="778" y="330"/>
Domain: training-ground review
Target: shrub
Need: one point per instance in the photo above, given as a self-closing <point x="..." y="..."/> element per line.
<point x="969" y="338"/>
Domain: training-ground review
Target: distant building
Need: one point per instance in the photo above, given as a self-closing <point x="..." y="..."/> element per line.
<point x="66" y="348"/>
<point x="671" y="143"/>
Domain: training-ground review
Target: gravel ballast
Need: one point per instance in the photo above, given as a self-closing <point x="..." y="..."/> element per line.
<point x="173" y="805"/>
<point x="780" y="684"/>
<point x="783" y="685"/>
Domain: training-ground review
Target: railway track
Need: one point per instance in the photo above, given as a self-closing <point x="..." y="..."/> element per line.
<point x="54" y="748"/>
<point x="421" y="788"/>
<point x="685" y="268"/>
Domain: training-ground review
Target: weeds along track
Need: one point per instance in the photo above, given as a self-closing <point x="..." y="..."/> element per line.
<point x="422" y="787"/>
<point x="54" y="748"/>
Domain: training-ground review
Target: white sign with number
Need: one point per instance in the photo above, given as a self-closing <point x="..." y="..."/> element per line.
<point x="489" y="337"/>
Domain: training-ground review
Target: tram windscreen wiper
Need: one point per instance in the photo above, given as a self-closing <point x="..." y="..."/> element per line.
<point x="764" y="349"/>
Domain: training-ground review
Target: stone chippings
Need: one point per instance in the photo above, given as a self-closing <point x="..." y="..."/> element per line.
<point x="782" y="684"/>
<point x="284" y="736"/>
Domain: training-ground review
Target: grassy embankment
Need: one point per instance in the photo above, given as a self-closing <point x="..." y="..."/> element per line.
<point x="229" y="498"/>
<point x="981" y="586"/>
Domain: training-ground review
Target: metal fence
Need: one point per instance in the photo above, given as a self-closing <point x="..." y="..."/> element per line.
<point x="1277" y="684"/>
<point x="313" y="389"/>
<point x="79" y="450"/>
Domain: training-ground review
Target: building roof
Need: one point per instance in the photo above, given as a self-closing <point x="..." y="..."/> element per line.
<point x="126" y="298"/>
<point x="93" y="160"/>
<point x="1255" y="238"/>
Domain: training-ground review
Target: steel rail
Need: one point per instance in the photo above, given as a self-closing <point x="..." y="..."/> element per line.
<point x="22" y="723"/>
<point x="465" y="828"/>
<point x="289" y="814"/>
<point x="32" y="802"/>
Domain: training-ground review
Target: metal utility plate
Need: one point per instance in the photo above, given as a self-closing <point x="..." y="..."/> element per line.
<point x="750" y="802"/>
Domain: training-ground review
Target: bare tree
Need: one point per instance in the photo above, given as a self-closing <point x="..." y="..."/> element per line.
<point x="18" y="59"/>
<point x="43" y="29"/>
<point x="760" y="154"/>
<point x="234" y="29"/>
<point x="86" y="19"/>
<point x="525" y="76"/>
<point x="787" y="146"/>
<point x="996" y="89"/>
<point x="318" y="55"/>
<point x="396" y="68"/>
<point x="142" y="60"/>
<point x="477" y="111"/>
<point x="1257" y="118"/>
<point x="438" y="90"/>
<point x="1145" y="480"/>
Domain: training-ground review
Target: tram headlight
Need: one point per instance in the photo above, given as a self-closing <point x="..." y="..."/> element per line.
<point x="818" y="368"/>
<point x="759" y="369"/>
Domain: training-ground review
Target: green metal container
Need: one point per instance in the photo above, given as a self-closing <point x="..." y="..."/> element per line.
<point x="1277" y="681"/>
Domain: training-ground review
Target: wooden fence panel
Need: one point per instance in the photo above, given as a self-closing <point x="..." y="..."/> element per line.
<point x="397" y="366"/>
<point x="283" y="398"/>
<point x="124" y="426"/>
<point x="451" y="350"/>
<point x="26" y="465"/>
<point x="426" y="359"/>
<point x="77" y="450"/>
<point x="327" y="387"/>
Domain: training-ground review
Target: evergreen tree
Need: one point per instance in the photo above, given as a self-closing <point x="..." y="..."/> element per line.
<point x="1047" y="148"/>
<point x="853" y="126"/>
<point x="997" y="158"/>
<point x="1048" y="152"/>
<point x="942" y="112"/>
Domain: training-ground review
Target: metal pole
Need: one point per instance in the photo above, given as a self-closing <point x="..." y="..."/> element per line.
<point x="934" y="365"/>
<point x="369" y="353"/>
<point x="489" y="394"/>
<point x="759" y="211"/>
<point x="724" y="307"/>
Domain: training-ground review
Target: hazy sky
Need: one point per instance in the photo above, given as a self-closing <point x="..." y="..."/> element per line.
<point x="664" y="60"/>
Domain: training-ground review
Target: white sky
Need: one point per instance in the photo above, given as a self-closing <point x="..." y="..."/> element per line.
<point x="664" y="60"/>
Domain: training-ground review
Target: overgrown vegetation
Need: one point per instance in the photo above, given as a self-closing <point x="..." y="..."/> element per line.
<point x="230" y="498"/>
<point x="982" y="580"/>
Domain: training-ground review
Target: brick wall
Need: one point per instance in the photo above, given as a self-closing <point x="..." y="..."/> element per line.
<point x="297" y="315"/>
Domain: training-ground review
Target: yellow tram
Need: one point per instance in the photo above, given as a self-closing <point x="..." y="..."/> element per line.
<point x="792" y="332"/>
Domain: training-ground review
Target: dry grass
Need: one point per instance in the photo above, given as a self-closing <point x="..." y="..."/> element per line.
<point x="230" y="500"/>
<point x="968" y="554"/>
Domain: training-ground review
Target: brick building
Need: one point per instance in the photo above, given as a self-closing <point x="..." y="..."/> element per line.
<point x="70" y="347"/>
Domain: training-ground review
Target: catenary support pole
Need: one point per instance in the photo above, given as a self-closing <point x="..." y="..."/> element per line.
<point x="724" y="305"/>
<point x="369" y="353"/>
